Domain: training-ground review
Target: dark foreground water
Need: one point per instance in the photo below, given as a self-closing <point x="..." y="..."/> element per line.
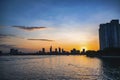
<point x="58" y="68"/>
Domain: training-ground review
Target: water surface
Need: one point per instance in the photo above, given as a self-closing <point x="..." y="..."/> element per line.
<point x="58" y="67"/>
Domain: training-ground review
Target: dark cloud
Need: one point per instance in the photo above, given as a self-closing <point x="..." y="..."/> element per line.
<point x="9" y="35"/>
<point x="41" y="40"/>
<point x="29" y="28"/>
<point x="6" y="35"/>
<point x="6" y="46"/>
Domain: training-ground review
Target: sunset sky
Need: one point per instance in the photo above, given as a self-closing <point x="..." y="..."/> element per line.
<point x="30" y="25"/>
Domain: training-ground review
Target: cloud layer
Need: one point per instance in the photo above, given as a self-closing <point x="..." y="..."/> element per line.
<point x="6" y="35"/>
<point x="10" y="35"/>
<point x="29" y="28"/>
<point x="6" y="46"/>
<point x="41" y="40"/>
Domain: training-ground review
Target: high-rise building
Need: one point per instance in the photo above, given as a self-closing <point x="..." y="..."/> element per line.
<point x="43" y="50"/>
<point x="109" y="34"/>
<point x="13" y="51"/>
<point x="50" y="49"/>
<point x="59" y="50"/>
<point x="56" y="50"/>
<point x="63" y="50"/>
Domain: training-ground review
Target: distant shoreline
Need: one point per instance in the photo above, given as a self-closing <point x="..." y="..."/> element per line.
<point x="100" y="56"/>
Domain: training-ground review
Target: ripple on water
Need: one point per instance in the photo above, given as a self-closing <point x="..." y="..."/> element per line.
<point x="56" y="68"/>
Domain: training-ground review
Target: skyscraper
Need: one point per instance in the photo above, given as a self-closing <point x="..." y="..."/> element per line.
<point x="59" y="50"/>
<point x="109" y="34"/>
<point x="43" y="50"/>
<point x="50" y="49"/>
<point x="56" y="50"/>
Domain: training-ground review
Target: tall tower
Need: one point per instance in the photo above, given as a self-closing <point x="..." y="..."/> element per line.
<point x="59" y="50"/>
<point x="109" y="34"/>
<point x="50" y="49"/>
<point x="43" y="50"/>
<point x="56" y="50"/>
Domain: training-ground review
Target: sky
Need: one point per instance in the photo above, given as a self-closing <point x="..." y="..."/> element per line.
<point x="29" y="25"/>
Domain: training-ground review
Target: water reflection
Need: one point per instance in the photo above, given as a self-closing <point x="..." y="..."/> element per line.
<point x="57" y="67"/>
<point x="111" y="68"/>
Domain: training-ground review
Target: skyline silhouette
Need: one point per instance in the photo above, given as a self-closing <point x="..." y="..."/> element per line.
<point x="106" y="40"/>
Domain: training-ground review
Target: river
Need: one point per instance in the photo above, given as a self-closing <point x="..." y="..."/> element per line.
<point x="59" y="67"/>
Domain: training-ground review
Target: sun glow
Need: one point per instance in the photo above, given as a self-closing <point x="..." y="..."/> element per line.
<point x="84" y="47"/>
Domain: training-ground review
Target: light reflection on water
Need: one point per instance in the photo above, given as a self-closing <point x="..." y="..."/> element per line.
<point x="57" y="67"/>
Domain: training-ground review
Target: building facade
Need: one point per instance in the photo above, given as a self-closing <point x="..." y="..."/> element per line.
<point x="109" y="34"/>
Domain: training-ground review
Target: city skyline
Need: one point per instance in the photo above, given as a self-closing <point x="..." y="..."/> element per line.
<point x="35" y="24"/>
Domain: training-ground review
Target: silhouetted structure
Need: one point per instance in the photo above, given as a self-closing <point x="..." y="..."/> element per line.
<point x="43" y="50"/>
<point x="92" y="53"/>
<point x="59" y="50"/>
<point x="56" y="50"/>
<point x="109" y="35"/>
<point x="50" y="49"/>
<point x="111" y="52"/>
<point x="83" y="51"/>
<point x="14" y="51"/>
<point x="0" y="52"/>
<point x="63" y="50"/>
<point x="74" y="51"/>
